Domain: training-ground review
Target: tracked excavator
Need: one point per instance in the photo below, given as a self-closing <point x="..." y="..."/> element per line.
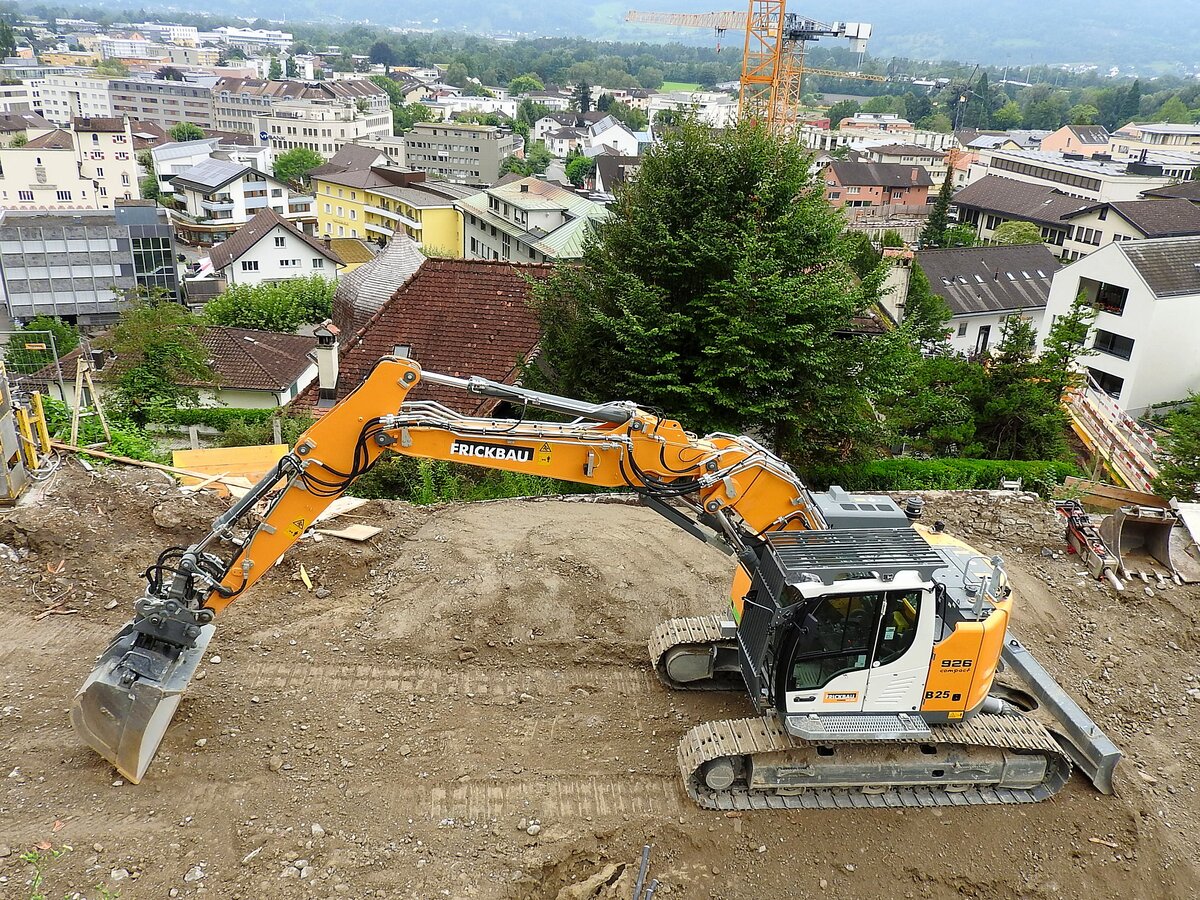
<point x="869" y="644"/>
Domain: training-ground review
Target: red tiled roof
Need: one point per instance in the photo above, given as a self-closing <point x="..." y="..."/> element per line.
<point x="52" y="140"/>
<point x="459" y="317"/>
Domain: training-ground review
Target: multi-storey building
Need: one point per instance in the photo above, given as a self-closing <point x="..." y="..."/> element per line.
<point x="44" y="174"/>
<point x="165" y="103"/>
<point x="1099" y="177"/>
<point x="65" y="96"/>
<point x="360" y="195"/>
<point x="527" y="220"/>
<point x="1130" y="141"/>
<point x="322" y="116"/>
<point x="131" y="48"/>
<point x="1148" y="297"/>
<point x="67" y="265"/>
<point x="712" y="108"/>
<point x="16" y="98"/>
<point x="471" y="154"/>
<point x="247" y="38"/>
<point x="217" y="197"/>
<point x="193" y="56"/>
<point x="105" y="150"/>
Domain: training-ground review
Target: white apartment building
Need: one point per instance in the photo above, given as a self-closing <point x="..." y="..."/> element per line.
<point x="131" y="48"/>
<point x="183" y="35"/>
<point x="177" y="157"/>
<point x="270" y="248"/>
<point x="44" y="174"/>
<point x="1148" y="296"/>
<point x="66" y="96"/>
<point x="1130" y="141"/>
<point x="322" y="125"/>
<point x="105" y="151"/>
<point x="1128" y="220"/>
<point x="445" y="108"/>
<point x="1098" y="178"/>
<point x="710" y="107"/>
<point x="217" y="197"/>
<point x="247" y="38"/>
<point x="16" y="98"/>
<point x="983" y="286"/>
<point x="816" y="138"/>
<point x="528" y="220"/>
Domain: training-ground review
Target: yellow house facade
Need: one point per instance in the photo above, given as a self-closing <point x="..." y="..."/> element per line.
<point x="369" y="205"/>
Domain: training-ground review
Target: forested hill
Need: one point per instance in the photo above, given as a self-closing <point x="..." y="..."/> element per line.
<point x="1150" y="36"/>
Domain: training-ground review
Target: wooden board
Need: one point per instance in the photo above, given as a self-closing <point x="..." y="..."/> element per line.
<point x="1109" y="496"/>
<point x="352" y="532"/>
<point x="233" y="463"/>
<point x="339" y="507"/>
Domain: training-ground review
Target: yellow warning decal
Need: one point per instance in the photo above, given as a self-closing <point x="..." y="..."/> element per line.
<point x="954" y="714"/>
<point x="296" y="527"/>
<point x="543" y="454"/>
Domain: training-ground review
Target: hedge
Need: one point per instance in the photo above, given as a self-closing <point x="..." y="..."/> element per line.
<point x="218" y="417"/>
<point x="909" y="474"/>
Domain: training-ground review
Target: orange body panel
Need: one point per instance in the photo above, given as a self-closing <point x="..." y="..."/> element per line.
<point x="964" y="664"/>
<point x="737" y="593"/>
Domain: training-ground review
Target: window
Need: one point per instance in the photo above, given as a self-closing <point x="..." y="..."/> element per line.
<point x="249" y="265"/>
<point x="962" y="329"/>
<point x="99" y="172"/>
<point x="1110" y="298"/>
<point x="124" y="178"/>
<point x="340" y="211"/>
<point x="27" y="196"/>
<point x="318" y="263"/>
<point x="64" y="196"/>
<point x="1113" y="344"/>
<point x="354" y="214"/>
<point x="853" y="190"/>
<point x="289" y="263"/>
<point x="403" y="351"/>
<point x="103" y="191"/>
<point x="1110" y="384"/>
<point x="280" y="241"/>
<point x="836" y="638"/>
<point x="326" y="207"/>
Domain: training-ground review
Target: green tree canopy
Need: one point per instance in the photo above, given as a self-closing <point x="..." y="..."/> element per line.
<point x="1008" y="116"/>
<point x="925" y="313"/>
<point x="1017" y="232"/>
<point x="719" y="290"/>
<point x="843" y="109"/>
<point x="292" y="166"/>
<point x="275" y="70"/>
<point x="185" y="131"/>
<point x="960" y="236"/>
<point x="1066" y="343"/>
<point x="274" y="306"/>
<point x="523" y="84"/>
<point x="1083" y="114"/>
<point x="1179" y="476"/>
<point x="934" y="232"/>
<point x="382" y="53"/>
<point x="1174" y="111"/>
<point x="160" y="357"/>
<point x="579" y="170"/>
<point x="405" y="115"/>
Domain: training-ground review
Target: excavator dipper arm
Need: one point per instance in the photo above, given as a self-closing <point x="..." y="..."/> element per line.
<point x="733" y="485"/>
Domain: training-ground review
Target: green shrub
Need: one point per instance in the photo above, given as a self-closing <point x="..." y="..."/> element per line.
<point x="908" y="474"/>
<point x="426" y="481"/>
<point x="127" y="438"/>
<point x="218" y="417"/>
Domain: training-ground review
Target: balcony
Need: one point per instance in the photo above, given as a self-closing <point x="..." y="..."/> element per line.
<point x="385" y="230"/>
<point x="217" y="205"/>
<point x="383" y="213"/>
<point x="256" y="202"/>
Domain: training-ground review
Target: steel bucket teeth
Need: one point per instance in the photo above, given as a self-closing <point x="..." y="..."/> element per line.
<point x="122" y="715"/>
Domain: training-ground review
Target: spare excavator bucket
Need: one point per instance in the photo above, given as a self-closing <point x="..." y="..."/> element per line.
<point x="1140" y="536"/>
<point x="125" y="705"/>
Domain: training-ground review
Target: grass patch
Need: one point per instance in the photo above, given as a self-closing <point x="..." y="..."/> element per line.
<point x="679" y="86"/>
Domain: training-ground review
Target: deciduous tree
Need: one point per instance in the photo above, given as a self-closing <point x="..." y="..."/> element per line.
<point x="292" y="166"/>
<point x="274" y="306"/>
<point x="185" y="131"/>
<point x="1065" y="345"/>
<point x="1017" y="232"/>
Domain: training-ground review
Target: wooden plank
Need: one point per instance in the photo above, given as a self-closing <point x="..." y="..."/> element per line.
<point x="352" y="532"/>
<point x="339" y="507"/>
<point x="1109" y="496"/>
<point x="248" y="462"/>
<point x="129" y="461"/>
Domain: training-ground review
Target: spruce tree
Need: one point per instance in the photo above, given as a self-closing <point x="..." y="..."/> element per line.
<point x="1131" y="104"/>
<point x="720" y="290"/>
<point x="934" y="233"/>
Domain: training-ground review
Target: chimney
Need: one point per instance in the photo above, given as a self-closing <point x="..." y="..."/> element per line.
<point x="327" y="363"/>
<point x="328" y="241"/>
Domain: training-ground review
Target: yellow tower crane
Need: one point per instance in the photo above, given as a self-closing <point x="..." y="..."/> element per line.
<point x="773" y="57"/>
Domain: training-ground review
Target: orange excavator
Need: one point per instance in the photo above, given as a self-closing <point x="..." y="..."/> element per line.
<point x="868" y="644"/>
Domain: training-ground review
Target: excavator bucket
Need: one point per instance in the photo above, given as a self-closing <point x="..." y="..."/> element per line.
<point x="125" y="705"/>
<point x="1140" y="536"/>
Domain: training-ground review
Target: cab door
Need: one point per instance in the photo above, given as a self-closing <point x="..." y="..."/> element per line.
<point x="827" y="656"/>
<point x="900" y="659"/>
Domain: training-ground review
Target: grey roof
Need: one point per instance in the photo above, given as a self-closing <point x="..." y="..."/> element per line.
<point x="1188" y="190"/>
<point x="905" y="150"/>
<point x="211" y="174"/>
<point x="364" y="291"/>
<point x="1168" y="217"/>
<point x="264" y="222"/>
<point x="884" y="174"/>
<point x="177" y="149"/>
<point x="1090" y="134"/>
<point x="976" y="280"/>
<point x="1018" y="200"/>
<point x="1169" y="266"/>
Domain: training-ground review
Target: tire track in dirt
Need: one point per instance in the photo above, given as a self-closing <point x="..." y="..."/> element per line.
<point x="558" y="797"/>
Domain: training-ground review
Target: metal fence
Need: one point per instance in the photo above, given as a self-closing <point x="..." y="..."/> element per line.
<point x="31" y="359"/>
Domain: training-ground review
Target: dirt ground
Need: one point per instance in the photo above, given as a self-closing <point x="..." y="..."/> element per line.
<point x="463" y="708"/>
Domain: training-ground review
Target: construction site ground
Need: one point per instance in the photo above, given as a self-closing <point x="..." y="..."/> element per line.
<point x="462" y="707"/>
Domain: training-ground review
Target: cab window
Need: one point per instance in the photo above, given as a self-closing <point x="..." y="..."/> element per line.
<point x="898" y="629"/>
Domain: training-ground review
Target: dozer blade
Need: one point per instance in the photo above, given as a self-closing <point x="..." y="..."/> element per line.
<point x="125" y="705"/>
<point x="1139" y="535"/>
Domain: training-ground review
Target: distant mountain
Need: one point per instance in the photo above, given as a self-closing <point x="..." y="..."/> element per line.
<point x="1156" y="36"/>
